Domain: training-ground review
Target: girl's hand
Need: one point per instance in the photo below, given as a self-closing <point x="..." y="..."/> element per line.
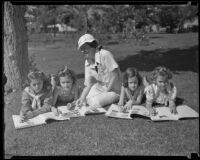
<point x="129" y="105"/>
<point x="56" y="111"/>
<point x="69" y="106"/>
<point x="23" y="118"/>
<point x="152" y="111"/>
<point x="30" y="115"/>
<point x="173" y="109"/>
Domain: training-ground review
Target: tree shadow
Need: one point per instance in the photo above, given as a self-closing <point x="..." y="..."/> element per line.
<point x="179" y="101"/>
<point x="80" y="76"/>
<point x="175" y="59"/>
<point x="155" y="37"/>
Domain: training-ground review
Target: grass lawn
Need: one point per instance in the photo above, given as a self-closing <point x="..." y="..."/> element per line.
<point x="99" y="135"/>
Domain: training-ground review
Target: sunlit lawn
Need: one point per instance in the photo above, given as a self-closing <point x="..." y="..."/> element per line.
<point x="99" y="135"/>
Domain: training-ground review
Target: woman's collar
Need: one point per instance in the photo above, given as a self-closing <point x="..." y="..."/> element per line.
<point x="87" y="64"/>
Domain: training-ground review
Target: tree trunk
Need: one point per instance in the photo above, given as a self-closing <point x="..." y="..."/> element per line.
<point x="16" y="62"/>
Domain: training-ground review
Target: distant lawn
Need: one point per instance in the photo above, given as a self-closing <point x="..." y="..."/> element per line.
<point x="99" y="135"/>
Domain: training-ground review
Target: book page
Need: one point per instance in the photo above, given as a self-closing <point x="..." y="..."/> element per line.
<point x="140" y="110"/>
<point x="72" y="113"/>
<point x="163" y="113"/>
<point x="51" y="115"/>
<point x="63" y="109"/>
<point x="29" y="123"/>
<point x="185" y="111"/>
<point x="115" y="112"/>
<point x="91" y="110"/>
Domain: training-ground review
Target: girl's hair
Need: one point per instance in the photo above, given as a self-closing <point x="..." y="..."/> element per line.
<point x="39" y="75"/>
<point x="129" y="73"/>
<point x="94" y="44"/>
<point x="161" y="71"/>
<point x="67" y="72"/>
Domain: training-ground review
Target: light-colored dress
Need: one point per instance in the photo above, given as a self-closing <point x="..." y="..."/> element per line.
<point x="101" y="72"/>
<point x="154" y="95"/>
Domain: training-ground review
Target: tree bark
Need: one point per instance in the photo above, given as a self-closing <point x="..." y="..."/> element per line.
<point x="16" y="62"/>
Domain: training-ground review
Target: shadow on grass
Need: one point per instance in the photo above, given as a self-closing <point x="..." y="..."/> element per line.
<point x="80" y="76"/>
<point x="155" y="37"/>
<point x="139" y="116"/>
<point x="49" y="121"/>
<point x="175" y="59"/>
<point x="179" y="101"/>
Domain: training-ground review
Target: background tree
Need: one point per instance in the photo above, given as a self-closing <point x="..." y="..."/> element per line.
<point x="16" y="63"/>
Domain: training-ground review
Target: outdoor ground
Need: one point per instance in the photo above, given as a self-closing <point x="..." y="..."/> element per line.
<point x="99" y="135"/>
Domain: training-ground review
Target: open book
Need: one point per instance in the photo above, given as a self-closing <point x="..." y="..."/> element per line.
<point x="83" y="111"/>
<point x="66" y="115"/>
<point x="163" y="113"/>
<point x="40" y="119"/>
<point x="91" y="110"/>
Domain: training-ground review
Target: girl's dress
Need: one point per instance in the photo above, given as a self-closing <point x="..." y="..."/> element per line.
<point x="133" y="95"/>
<point x="65" y="97"/>
<point x="154" y="96"/>
<point x="37" y="103"/>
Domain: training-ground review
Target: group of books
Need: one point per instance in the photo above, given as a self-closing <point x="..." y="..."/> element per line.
<point x="114" y="111"/>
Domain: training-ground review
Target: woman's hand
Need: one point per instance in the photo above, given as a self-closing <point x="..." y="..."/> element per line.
<point x="80" y="102"/>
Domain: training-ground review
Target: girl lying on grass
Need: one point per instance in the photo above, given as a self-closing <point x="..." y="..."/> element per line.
<point x="161" y="91"/>
<point x="37" y="97"/>
<point x="66" y="90"/>
<point x="132" y="89"/>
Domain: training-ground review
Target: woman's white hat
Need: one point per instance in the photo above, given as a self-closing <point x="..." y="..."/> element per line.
<point x="84" y="39"/>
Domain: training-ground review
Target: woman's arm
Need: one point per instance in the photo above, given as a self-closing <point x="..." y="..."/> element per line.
<point x="122" y="94"/>
<point x="76" y="92"/>
<point x="55" y="95"/>
<point x="114" y="78"/>
<point x="90" y="82"/>
<point x="85" y="92"/>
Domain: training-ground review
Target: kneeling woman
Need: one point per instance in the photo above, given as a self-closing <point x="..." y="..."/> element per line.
<point x="102" y="74"/>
